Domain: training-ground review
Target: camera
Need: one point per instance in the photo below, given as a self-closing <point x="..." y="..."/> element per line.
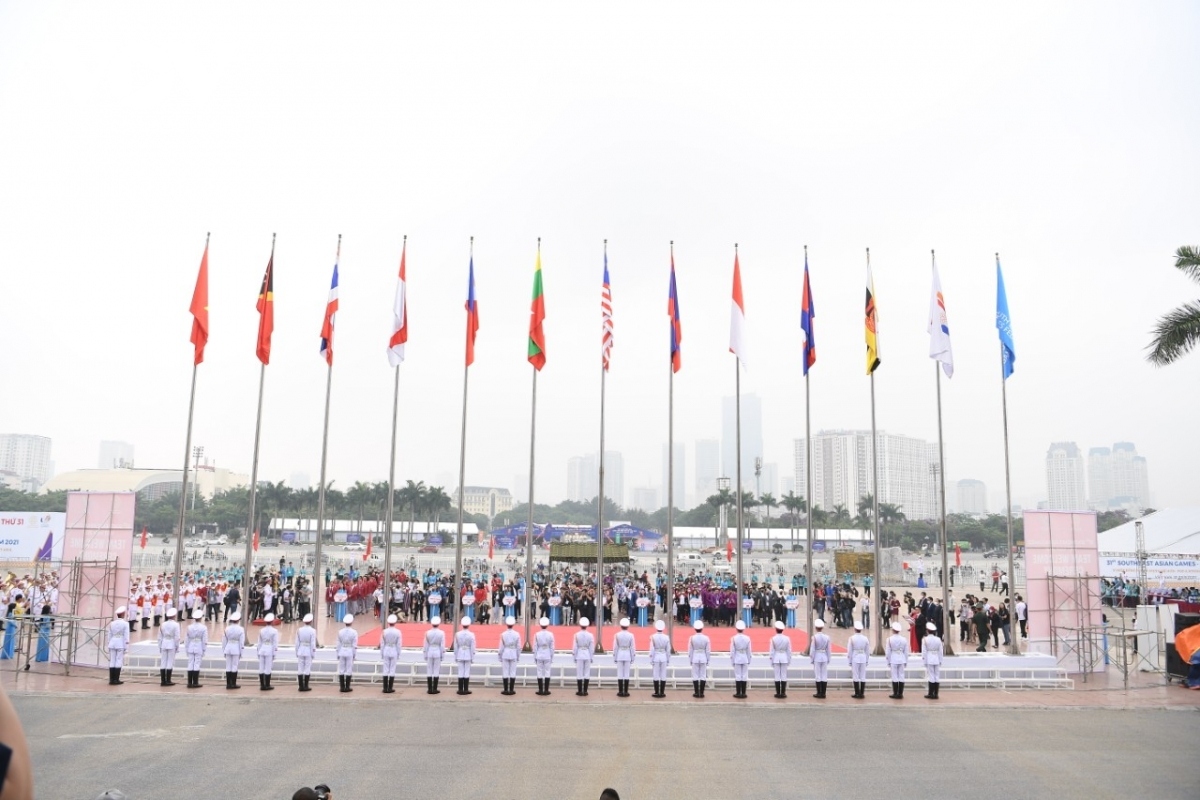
<point x="322" y="791"/>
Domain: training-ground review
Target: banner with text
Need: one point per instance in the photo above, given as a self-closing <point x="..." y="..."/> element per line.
<point x="33" y="536"/>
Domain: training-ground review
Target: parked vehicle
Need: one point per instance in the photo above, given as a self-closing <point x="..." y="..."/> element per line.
<point x="429" y="548"/>
<point x="354" y="546"/>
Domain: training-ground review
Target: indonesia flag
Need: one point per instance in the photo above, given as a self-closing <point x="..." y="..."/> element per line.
<point x="399" y="315"/>
<point x="331" y="308"/>
<point x="737" y="323"/>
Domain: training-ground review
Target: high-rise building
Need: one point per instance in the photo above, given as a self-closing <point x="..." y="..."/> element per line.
<point x="972" y="497"/>
<point x="27" y="456"/>
<point x="1129" y="485"/>
<point x="752" y="438"/>
<point x="1064" y="478"/>
<point x="680" y="488"/>
<point x="708" y="468"/>
<point x="583" y="477"/>
<point x="486" y="500"/>
<point x="115" y="455"/>
<point x="1100" y="477"/>
<point x="645" y="498"/>
<point x="842" y="471"/>
<point x="768" y="482"/>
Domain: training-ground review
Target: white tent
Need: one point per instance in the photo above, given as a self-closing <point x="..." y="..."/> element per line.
<point x="1172" y="530"/>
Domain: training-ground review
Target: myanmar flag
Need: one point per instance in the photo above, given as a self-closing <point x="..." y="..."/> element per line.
<point x="537" y="315"/>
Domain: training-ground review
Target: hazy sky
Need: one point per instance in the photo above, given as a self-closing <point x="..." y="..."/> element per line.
<point x="1062" y="135"/>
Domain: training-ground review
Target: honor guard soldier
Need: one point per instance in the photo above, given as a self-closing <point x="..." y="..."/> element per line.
<point x="699" y="651"/>
<point x="582" y="650"/>
<point x="118" y="641"/>
<point x="623" y="653"/>
<point x="897" y="658"/>
<point x="660" y="656"/>
<point x="739" y="656"/>
<point x="820" y="652"/>
<point x="464" y="655"/>
<point x="781" y="657"/>
<point x="543" y="655"/>
<point x="858" y="651"/>
<point x="347" y="647"/>
<point x="932" y="651"/>
<point x="432" y="651"/>
<point x="510" y="651"/>
<point x="168" y="645"/>
<point x="390" y="642"/>
<point x="232" y="644"/>
<point x="268" y="646"/>
<point x="306" y="646"/>
<point x="195" y="644"/>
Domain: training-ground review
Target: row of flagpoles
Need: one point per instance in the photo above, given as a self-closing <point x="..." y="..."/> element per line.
<point x="939" y="350"/>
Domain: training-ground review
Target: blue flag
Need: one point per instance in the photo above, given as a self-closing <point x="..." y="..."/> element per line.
<point x="807" y="311"/>
<point x="1004" y="324"/>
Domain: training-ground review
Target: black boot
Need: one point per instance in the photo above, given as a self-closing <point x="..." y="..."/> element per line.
<point x="586" y="681"/>
<point x="262" y="681"/>
<point x="937" y="691"/>
<point x="900" y="690"/>
<point x="429" y="686"/>
<point x="930" y="692"/>
<point x="268" y="685"/>
<point x="466" y="685"/>
<point x="162" y="677"/>
<point x="703" y="685"/>
<point x="436" y="690"/>
<point x="776" y="690"/>
<point x="695" y="688"/>
<point x="348" y="679"/>
<point x="169" y="681"/>
<point x="895" y="695"/>
<point x="858" y="690"/>
<point x="783" y="690"/>
<point x="824" y="688"/>
<point x="307" y="680"/>
<point x="387" y="685"/>
<point x="300" y="683"/>
<point x="114" y="676"/>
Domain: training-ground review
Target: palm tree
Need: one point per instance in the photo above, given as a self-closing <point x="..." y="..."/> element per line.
<point x="721" y="499"/>
<point x="439" y="501"/>
<point x="866" y="505"/>
<point x="414" y="498"/>
<point x="1178" y="331"/>
<point x="767" y="500"/>
<point x="840" y="516"/>
<point x="359" y="496"/>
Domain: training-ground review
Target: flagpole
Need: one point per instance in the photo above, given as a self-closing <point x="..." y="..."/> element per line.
<point x="187" y="453"/>
<point x="387" y="541"/>
<point x="462" y="476"/>
<point x="529" y="526"/>
<point x="737" y="367"/>
<point x="600" y="504"/>
<point x="808" y="475"/>
<point x="671" y="479"/>
<point x="949" y="648"/>
<point x="249" y="564"/>
<point x="316" y="587"/>
<point x="875" y="501"/>
<point x="1015" y="648"/>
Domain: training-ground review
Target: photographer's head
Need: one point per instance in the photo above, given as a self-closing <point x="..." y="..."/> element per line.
<point x="319" y="792"/>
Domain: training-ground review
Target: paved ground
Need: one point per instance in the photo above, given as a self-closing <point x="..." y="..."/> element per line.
<point x="155" y="743"/>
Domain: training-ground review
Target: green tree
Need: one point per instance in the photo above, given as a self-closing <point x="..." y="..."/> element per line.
<point x="1178" y="331"/>
<point x="767" y="500"/>
<point x="840" y="516"/>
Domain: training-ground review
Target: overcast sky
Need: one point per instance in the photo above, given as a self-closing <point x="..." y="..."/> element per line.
<point x="1062" y="135"/>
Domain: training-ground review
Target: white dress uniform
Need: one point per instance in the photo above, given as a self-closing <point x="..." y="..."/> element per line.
<point x="195" y="643"/>
<point x="347" y="648"/>
<point x="168" y="645"/>
<point x="660" y="656"/>
<point x="509" y="653"/>
<point x="389" y="650"/>
<point x="432" y="651"/>
<point x="584" y="646"/>
<point x="268" y="646"/>
<point x="699" y="652"/>
<point x="543" y="656"/>
<point x="858" y="653"/>
<point x="820" y="652"/>
<point x="781" y="656"/>
<point x="932" y="652"/>
<point x="306" y="646"/>
<point x="896" y="649"/>
<point x="464" y="656"/>
<point x="623" y="653"/>
<point x="232" y="643"/>
<point x="118" y="641"/>
<point x="739" y="656"/>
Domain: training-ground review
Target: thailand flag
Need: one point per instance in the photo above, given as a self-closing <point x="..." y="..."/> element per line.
<point x="331" y="308"/>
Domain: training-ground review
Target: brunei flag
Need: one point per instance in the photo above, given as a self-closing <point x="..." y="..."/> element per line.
<point x="537" y="315"/>
<point x="266" y="311"/>
<point x="872" y="322"/>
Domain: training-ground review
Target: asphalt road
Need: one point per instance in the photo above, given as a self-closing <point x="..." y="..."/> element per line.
<point x="171" y="746"/>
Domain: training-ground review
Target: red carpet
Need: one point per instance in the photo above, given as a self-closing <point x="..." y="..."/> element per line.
<point x="487" y="637"/>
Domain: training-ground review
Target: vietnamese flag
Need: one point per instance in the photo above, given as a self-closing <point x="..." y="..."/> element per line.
<point x="143" y="537"/>
<point x="729" y="550"/>
<point x="537" y="315"/>
<point x="491" y="547"/>
<point x="266" y="310"/>
<point x="255" y="544"/>
<point x="199" y="307"/>
<point x="367" y="553"/>
<point x="957" y="556"/>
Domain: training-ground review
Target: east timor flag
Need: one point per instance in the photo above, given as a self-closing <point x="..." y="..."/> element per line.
<point x="266" y="311"/>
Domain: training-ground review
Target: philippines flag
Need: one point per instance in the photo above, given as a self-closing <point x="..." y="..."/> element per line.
<point x="737" y="321"/>
<point x="399" y="315"/>
<point x="676" y="327"/>
<point x="606" y="320"/>
<point x="939" y="328"/>
<point x="807" y="312"/>
<point x="331" y="308"/>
